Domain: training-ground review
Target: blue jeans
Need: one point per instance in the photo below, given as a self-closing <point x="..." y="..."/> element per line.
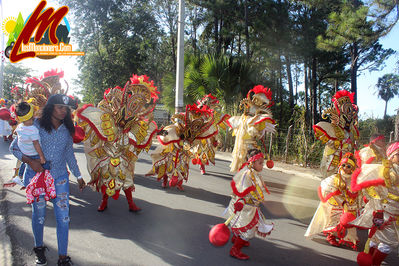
<point x="61" y="211"/>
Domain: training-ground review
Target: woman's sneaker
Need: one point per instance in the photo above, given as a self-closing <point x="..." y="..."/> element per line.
<point x="65" y="261"/>
<point x="40" y="256"/>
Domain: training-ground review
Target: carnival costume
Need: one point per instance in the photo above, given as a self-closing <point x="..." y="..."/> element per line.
<point x="204" y="149"/>
<point x="338" y="205"/>
<point x="171" y="159"/>
<point x="252" y="124"/>
<point x="248" y="221"/>
<point x="339" y="135"/>
<point x="380" y="184"/>
<point x="116" y="131"/>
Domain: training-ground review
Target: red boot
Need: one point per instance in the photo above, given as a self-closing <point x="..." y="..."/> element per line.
<point x="202" y="167"/>
<point x="332" y="240"/>
<point x="378" y="257"/>
<point x="104" y="203"/>
<point x="179" y="185"/>
<point x="235" y="251"/>
<point x="234" y="238"/>
<point x="129" y="198"/>
<point x="165" y="181"/>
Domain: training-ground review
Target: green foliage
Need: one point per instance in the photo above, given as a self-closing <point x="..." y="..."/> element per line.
<point x="14" y="75"/>
<point x="388" y="87"/>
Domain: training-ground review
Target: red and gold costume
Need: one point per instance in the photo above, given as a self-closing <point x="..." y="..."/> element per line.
<point x="339" y="135"/>
<point x="116" y="131"/>
<point x="337" y="202"/>
<point x="204" y="149"/>
<point x="249" y="191"/>
<point x="380" y="184"/>
<point x="171" y="158"/>
<point x="252" y="124"/>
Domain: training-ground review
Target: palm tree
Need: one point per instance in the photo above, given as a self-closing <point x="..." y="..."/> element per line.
<point x="388" y="87"/>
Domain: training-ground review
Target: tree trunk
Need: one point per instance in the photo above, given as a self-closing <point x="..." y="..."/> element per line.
<point x="216" y="32"/>
<point x="314" y="91"/>
<point x="354" y="67"/>
<point x="306" y="92"/>
<point x="290" y="85"/>
<point x="385" y="110"/>
<point x="246" y="30"/>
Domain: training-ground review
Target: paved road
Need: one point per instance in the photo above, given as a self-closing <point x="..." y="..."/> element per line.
<point x="172" y="228"/>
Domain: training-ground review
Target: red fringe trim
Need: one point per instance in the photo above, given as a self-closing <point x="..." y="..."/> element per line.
<point x="329" y="195"/>
<point x="249" y="226"/>
<point x="370" y="183"/>
<point x="167" y="143"/>
<point x="242" y="194"/>
<point x="370" y="160"/>
<point x="264" y="119"/>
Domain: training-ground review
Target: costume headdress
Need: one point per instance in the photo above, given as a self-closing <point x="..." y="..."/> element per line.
<point x="343" y="112"/>
<point x="258" y="101"/>
<point x="40" y="89"/>
<point x="392" y="150"/>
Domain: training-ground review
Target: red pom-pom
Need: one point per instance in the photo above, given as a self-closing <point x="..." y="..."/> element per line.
<point x="219" y="235"/>
<point x="173" y="181"/>
<point x="79" y="134"/>
<point x="364" y="259"/>
<point x="270" y="164"/>
<point x="5" y="114"/>
<point x="346" y="218"/>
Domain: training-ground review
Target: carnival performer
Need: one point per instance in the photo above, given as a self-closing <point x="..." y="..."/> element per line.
<point x="380" y="184"/>
<point x="204" y="149"/>
<point x="373" y="152"/>
<point x="171" y="159"/>
<point x="251" y="126"/>
<point x="56" y="130"/>
<point x="249" y="192"/>
<point x="116" y="131"/>
<point x="339" y="135"/>
<point x="338" y="205"/>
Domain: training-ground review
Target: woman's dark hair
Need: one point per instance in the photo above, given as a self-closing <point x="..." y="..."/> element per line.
<point x="22" y="108"/>
<point x="252" y="152"/>
<point x="45" y="120"/>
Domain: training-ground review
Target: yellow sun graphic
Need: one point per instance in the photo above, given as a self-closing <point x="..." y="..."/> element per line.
<point x="8" y="25"/>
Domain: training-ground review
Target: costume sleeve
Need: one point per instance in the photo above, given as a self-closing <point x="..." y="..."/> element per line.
<point x="71" y="159"/>
<point x="14" y="149"/>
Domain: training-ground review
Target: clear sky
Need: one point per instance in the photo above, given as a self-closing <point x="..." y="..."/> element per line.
<point x="369" y="104"/>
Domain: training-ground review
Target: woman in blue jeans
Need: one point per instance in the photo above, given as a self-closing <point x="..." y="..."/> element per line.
<point x="56" y="130"/>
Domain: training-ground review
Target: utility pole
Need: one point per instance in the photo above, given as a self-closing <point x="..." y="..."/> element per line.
<point x="2" y="53"/>
<point x="179" y="105"/>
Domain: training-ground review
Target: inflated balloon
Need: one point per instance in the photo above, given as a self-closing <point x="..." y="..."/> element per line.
<point x="270" y="164"/>
<point x="219" y="235"/>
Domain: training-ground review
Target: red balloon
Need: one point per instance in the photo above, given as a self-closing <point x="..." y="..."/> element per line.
<point x="346" y="218"/>
<point x="270" y="164"/>
<point x="364" y="259"/>
<point x="219" y="235"/>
